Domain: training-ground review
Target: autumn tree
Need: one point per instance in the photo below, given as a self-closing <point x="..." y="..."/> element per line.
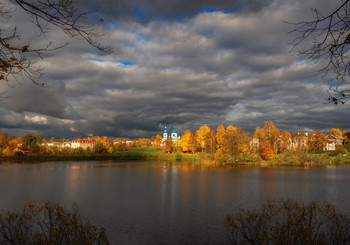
<point x="212" y="141"/>
<point x="266" y="150"/>
<point x="186" y="142"/>
<point x="220" y="136"/>
<point x="4" y="138"/>
<point x="326" y="39"/>
<point x="143" y="143"/>
<point x="268" y="133"/>
<point x="30" y="141"/>
<point x="336" y="131"/>
<point x="157" y="140"/>
<point x="317" y="140"/>
<point x="16" y="53"/>
<point x="235" y="141"/>
<point x="169" y="146"/>
<point x="203" y="138"/>
<point x="284" y="141"/>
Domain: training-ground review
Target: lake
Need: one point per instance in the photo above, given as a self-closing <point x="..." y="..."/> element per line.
<point x="167" y="202"/>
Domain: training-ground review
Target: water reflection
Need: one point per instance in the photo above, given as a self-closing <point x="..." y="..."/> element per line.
<point x="167" y="202"/>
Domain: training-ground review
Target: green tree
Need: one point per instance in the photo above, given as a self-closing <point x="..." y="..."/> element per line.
<point x="28" y="140"/>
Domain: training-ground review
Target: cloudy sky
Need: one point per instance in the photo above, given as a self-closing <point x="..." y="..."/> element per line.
<point x="176" y="62"/>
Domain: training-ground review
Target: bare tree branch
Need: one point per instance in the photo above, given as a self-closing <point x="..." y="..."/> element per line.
<point x="46" y="14"/>
<point x="327" y="38"/>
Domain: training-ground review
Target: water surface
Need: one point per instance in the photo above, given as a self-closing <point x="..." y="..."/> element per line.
<point x="167" y="203"/>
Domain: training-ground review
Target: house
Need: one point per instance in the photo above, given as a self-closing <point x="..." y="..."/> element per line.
<point x="299" y="139"/>
<point x="82" y="143"/>
<point x="330" y="146"/>
<point x="22" y="150"/>
<point x="334" y="141"/>
<point x="59" y="145"/>
<point x="338" y="140"/>
<point x="254" y="144"/>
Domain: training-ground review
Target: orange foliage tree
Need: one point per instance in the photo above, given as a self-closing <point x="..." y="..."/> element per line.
<point x="317" y="140"/>
<point x="266" y="150"/>
<point x="268" y="133"/>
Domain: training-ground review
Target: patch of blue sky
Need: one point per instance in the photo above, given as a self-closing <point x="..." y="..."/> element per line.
<point x="98" y="60"/>
<point x="122" y="62"/>
<point x="302" y="60"/>
<point x="207" y="9"/>
<point x="139" y="12"/>
<point x="126" y="62"/>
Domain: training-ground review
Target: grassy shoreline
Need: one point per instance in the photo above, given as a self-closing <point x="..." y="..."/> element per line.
<point x="309" y="159"/>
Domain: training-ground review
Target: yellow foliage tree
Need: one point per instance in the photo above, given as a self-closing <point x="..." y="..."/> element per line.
<point x="220" y="136"/>
<point x="268" y="133"/>
<point x="202" y="137"/>
<point x="235" y="141"/>
<point x="284" y="141"/>
<point x="218" y="154"/>
<point x="157" y="140"/>
<point x="336" y="131"/>
<point x="317" y="140"/>
<point x="186" y="142"/>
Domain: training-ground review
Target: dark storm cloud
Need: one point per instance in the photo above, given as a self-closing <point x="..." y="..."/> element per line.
<point x="178" y="63"/>
<point x="146" y="10"/>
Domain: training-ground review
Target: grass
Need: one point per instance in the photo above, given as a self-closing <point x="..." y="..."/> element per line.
<point x="132" y="154"/>
<point x="284" y="159"/>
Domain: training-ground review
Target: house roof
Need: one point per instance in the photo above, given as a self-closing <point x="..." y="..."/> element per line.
<point x="333" y="136"/>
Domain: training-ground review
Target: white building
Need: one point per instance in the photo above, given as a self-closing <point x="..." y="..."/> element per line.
<point x="83" y="143"/>
<point x="59" y="145"/>
<point x="174" y="135"/>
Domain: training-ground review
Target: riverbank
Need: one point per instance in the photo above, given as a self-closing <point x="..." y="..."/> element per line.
<point x="133" y="154"/>
<point x="250" y="159"/>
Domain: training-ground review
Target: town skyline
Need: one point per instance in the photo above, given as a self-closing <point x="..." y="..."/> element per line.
<point x="174" y="63"/>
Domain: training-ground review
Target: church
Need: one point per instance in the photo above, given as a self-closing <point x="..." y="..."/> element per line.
<point x="174" y="135"/>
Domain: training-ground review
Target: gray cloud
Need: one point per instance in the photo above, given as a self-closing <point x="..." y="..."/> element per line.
<point x="230" y="67"/>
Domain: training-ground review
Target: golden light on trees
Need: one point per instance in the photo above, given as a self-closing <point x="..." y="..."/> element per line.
<point x="220" y="136"/>
<point x="317" y="140"/>
<point x="202" y="137"/>
<point x="266" y="150"/>
<point x="186" y="142"/>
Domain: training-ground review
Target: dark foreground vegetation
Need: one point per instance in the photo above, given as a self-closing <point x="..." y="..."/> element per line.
<point x="283" y="222"/>
<point x="289" y="222"/>
<point x="48" y="223"/>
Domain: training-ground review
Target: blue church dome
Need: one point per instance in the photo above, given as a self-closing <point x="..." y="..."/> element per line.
<point x="174" y="131"/>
